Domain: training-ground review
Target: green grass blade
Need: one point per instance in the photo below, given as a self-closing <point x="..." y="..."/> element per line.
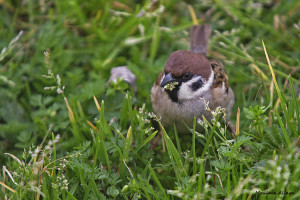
<point x="194" y="147"/>
<point x="126" y="150"/>
<point x="155" y="39"/>
<point x="201" y="177"/>
<point x="173" y="153"/>
<point x="282" y="101"/>
<point x="147" y="140"/>
<point x="141" y="183"/>
<point x="177" y="140"/>
<point x="156" y="180"/>
<point x="104" y="125"/>
<point x="124" y="114"/>
<point x="287" y="138"/>
<point x="70" y="196"/>
<point x="212" y="133"/>
<point x="296" y="105"/>
<point x="228" y="185"/>
<point x="149" y="187"/>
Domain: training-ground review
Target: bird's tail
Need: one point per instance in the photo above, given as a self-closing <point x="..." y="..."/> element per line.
<point x="199" y="38"/>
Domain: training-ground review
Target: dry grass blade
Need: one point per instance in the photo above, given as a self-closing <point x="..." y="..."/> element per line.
<point x="92" y="125"/>
<point x="14" y="157"/>
<point x="97" y="104"/>
<point x="71" y="114"/>
<point x="10" y="189"/>
<point x="272" y="71"/>
<point x="9" y="174"/>
<point x="259" y="72"/>
<point x="237" y="123"/>
<point x="193" y="15"/>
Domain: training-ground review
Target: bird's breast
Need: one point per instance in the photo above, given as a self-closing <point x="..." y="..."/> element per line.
<point x="176" y="112"/>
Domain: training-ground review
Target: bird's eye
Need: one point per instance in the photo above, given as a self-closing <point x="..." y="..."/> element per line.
<point x="187" y="75"/>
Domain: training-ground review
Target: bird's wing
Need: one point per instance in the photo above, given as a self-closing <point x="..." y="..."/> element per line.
<point x="220" y="75"/>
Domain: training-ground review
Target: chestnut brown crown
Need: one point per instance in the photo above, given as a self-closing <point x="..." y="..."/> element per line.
<point x="181" y="62"/>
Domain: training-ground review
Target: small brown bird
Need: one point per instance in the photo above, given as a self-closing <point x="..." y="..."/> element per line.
<point x="188" y="78"/>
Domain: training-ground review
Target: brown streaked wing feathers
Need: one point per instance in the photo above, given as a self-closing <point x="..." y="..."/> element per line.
<point x="220" y="75"/>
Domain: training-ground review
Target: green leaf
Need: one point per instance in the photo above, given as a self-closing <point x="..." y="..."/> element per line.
<point x="113" y="191"/>
<point x="222" y="164"/>
<point x="274" y="137"/>
<point x="241" y="140"/>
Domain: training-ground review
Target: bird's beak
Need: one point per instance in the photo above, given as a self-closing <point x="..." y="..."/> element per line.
<point x="168" y="79"/>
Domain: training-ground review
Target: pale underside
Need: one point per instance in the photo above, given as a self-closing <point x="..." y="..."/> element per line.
<point x="190" y="104"/>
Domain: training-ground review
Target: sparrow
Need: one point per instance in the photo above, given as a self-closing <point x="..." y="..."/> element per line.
<point x="190" y="79"/>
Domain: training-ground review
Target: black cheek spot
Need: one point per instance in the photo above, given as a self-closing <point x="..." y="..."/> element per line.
<point x="195" y="86"/>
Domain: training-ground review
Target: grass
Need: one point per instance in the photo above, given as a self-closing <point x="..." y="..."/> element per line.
<point x="65" y="134"/>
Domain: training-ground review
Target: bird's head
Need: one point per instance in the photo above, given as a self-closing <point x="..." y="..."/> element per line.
<point x="187" y="75"/>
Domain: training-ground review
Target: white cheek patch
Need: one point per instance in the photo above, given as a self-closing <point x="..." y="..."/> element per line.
<point x="185" y="91"/>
